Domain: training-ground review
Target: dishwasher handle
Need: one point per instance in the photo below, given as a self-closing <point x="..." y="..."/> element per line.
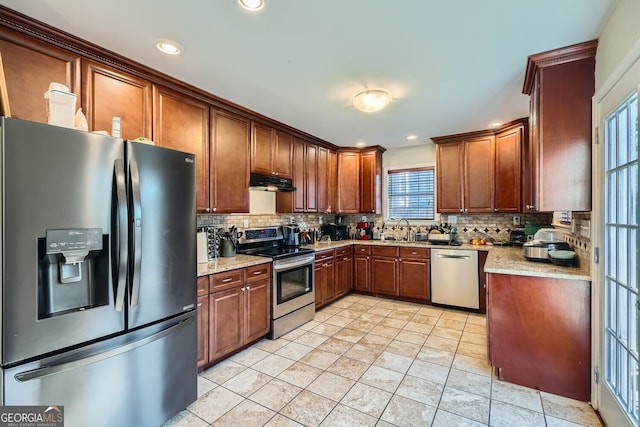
<point x="453" y="256"/>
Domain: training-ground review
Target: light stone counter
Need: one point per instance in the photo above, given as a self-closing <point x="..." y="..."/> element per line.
<point x="510" y="260"/>
<point x="323" y="246"/>
<point x="230" y="263"/>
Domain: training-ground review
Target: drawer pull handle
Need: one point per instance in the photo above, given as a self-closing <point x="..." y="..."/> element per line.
<point x="227" y="280"/>
<point x="255" y="273"/>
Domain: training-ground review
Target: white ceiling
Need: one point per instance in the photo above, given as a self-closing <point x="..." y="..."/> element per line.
<point x="452" y="65"/>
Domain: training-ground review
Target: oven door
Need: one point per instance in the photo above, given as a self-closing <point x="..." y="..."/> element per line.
<point x="293" y="284"/>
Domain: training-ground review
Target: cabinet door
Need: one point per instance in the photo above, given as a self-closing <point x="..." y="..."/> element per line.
<point x="449" y="170"/>
<point x="362" y="273"/>
<point x="348" y="179"/>
<point x="344" y="275"/>
<point x="299" y="164"/>
<point x="182" y="123"/>
<point x="479" y="166"/>
<point x="332" y="195"/>
<point x="530" y="157"/>
<point x="226" y="322"/>
<point x="311" y="178"/>
<point x="257" y="321"/>
<point x="29" y="67"/>
<point x="414" y="278"/>
<point x="109" y="93"/>
<point x="262" y="140"/>
<point x="508" y="171"/>
<point x="370" y="182"/>
<point x="323" y="180"/>
<point x="384" y="275"/>
<point x="203" y="330"/>
<point x="282" y="155"/>
<point x="318" y="272"/>
<point x="229" y="162"/>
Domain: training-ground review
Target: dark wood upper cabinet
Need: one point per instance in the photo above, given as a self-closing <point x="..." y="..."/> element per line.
<point x="229" y="162"/>
<point x="109" y="93"/>
<point x="478" y="174"/>
<point x="449" y="171"/>
<point x="181" y="122"/>
<point x="29" y="67"/>
<point x="480" y="171"/>
<point x="561" y="84"/>
<point x="371" y="181"/>
<point x="348" y="179"/>
<point x="508" y="170"/>
<point x="270" y="151"/>
<point x="305" y="178"/>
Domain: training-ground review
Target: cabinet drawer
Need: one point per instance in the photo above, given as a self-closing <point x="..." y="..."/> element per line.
<point x="414" y="253"/>
<point x="324" y="256"/>
<point x="362" y="250"/>
<point x="390" y="251"/>
<point x="203" y="286"/>
<point x="227" y="280"/>
<point x="347" y="250"/>
<point x="258" y="272"/>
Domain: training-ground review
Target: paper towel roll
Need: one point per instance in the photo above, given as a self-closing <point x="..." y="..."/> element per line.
<point x="203" y="252"/>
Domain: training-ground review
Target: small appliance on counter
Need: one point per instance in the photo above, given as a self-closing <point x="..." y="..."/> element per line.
<point x="517" y="237"/>
<point x="544" y="241"/>
<point x="365" y="231"/>
<point x="335" y="232"/>
<point x="291" y="234"/>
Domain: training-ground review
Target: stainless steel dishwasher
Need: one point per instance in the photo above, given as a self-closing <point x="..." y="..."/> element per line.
<point x="454" y="278"/>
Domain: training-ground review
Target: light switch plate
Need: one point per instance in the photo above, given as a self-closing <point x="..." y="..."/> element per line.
<point x="516" y="220"/>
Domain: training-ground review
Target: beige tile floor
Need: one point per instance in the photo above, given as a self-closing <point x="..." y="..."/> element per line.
<point x="367" y="361"/>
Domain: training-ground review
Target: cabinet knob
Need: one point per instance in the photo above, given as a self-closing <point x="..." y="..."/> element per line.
<point x="460" y="209"/>
<point x="209" y="209"/>
<point x="215" y="209"/>
<point x="367" y="257"/>
<point x="248" y="287"/>
<point x="466" y="210"/>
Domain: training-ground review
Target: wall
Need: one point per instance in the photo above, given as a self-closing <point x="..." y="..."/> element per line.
<point x="618" y="35"/>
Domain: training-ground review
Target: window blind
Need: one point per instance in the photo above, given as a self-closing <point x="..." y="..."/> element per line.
<point x="410" y="193"/>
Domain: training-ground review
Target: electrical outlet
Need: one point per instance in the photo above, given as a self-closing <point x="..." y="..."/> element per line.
<point x="292" y="220"/>
<point x="516" y="220"/>
<point x="245" y="223"/>
<point x="363" y="218"/>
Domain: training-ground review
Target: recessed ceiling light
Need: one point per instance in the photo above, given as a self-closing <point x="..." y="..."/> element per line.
<point x="412" y="137"/>
<point x="251" y="4"/>
<point x="495" y="124"/>
<point x="361" y="144"/>
<point x="372" y="100"/>
<point x="169" y="47"/>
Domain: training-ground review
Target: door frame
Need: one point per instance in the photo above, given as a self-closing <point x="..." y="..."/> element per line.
<point x="618" y="86"/>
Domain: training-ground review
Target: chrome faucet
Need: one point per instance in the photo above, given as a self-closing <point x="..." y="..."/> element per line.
<point x="408" y="237"/>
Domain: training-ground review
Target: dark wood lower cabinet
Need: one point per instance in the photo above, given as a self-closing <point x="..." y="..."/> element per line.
<point x="344" y="273"/>
<point x="384" y="275"/>
<point x="235" y="313"/>
<point x="414" y="272"/>
<point x="540" y="333"/>
<point x="325" y="277"/>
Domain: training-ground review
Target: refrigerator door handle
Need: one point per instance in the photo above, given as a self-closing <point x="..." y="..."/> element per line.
<point x="136" y="228"/>
<point x="35" y="374"/>
<point x="120" y="236"/>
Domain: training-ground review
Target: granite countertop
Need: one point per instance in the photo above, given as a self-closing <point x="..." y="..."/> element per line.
<point x="230" y="263"/>
<point x="323" y="246"/>
<point x="510" y="260"/>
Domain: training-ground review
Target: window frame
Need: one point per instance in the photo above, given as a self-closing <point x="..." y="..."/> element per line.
<point x="400" y="169"/>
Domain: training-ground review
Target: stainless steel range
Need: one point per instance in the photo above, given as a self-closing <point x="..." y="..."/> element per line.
<point x="293" y="284"/>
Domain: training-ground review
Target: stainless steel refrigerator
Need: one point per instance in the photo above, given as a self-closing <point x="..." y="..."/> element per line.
<point x="98" y="275"/>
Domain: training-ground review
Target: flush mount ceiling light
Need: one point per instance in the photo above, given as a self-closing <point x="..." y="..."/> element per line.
<point x="169" y="47"/>
<point x="361" y="144"/>
<point x="495" y="124"/>
<point x="371" y="100"/>
<point x="412" y="137"/>
<point x="251" y="4"/>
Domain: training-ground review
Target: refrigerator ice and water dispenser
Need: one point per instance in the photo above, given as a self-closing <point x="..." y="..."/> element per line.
<point x="73" y="271"/>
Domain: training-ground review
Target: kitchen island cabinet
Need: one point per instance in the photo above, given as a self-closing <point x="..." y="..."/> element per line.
<point x="539" y="332"/>
<point x="109" y="93"/>
<point x="182" y="123"/>
<point x="29" y="67"/>
<point x="229" y="162"/>
<point x="561" y="84"/>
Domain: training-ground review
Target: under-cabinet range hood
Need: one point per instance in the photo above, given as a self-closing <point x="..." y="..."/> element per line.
<point x="270" y="183"/>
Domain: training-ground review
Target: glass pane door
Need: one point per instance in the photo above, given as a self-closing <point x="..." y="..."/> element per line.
<point x="620" y="359"/>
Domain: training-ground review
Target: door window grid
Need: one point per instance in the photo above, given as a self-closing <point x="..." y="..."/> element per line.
<point x="621" y="264"/>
